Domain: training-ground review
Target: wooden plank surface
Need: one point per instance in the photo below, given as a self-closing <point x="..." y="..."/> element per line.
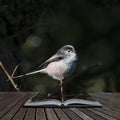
<point x="40" y="114"/>
<point x="71" y="114"/>
<point x="30" y="114"/>
<point x="51" y="114"/>
<point x="81" y="114"/>
<point x="11" y="108"/>
<point x="61" y="114"/>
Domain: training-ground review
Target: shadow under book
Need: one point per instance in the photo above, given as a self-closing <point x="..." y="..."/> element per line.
<point x="70" y="101"/>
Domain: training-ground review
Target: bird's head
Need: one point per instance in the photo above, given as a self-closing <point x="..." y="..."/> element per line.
<point x="67" y="51"/>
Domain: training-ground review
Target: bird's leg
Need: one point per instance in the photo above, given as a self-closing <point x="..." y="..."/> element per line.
<point x="61" y="89"/>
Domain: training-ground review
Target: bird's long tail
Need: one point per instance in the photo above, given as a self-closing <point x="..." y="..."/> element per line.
<point x="30" y="73"/>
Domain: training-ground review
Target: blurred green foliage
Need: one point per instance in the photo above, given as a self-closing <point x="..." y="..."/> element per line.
<point x="91" y="26"/>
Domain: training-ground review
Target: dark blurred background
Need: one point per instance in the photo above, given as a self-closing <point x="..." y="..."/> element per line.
<point x="33" y="30"/>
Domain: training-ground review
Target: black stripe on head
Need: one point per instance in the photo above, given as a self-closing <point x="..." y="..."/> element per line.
<point x="68" y="47"/>
<point x="62" y="50"/>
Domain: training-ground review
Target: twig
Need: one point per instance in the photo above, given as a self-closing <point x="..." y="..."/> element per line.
<point x="10" y="77"/>
<point x="14" y="71"/>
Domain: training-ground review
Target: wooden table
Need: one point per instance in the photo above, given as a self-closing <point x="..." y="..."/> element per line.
<point x="11" y="108"/>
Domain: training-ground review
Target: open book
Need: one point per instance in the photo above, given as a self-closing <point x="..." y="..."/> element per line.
<point x="70" y="101"/>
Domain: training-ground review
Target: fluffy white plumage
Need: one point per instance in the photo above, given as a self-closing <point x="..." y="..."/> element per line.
<point x="59" y="66"/>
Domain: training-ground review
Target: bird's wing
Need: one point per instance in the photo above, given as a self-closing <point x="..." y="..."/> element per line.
<point x="52" y="59"/>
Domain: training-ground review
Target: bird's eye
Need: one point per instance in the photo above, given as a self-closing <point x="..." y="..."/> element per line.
<point x="69" y="51"/>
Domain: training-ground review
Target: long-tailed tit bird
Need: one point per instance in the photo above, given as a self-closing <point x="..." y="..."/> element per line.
<point x="60" y="66"/>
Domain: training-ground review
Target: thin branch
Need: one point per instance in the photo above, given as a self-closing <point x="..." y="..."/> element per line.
<point x="9" y="77"/>
<point x="14" y="70"/>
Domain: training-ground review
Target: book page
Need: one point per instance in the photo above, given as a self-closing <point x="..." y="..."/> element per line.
<point x="44" y="102"/>
<point x="81" y="102"/>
